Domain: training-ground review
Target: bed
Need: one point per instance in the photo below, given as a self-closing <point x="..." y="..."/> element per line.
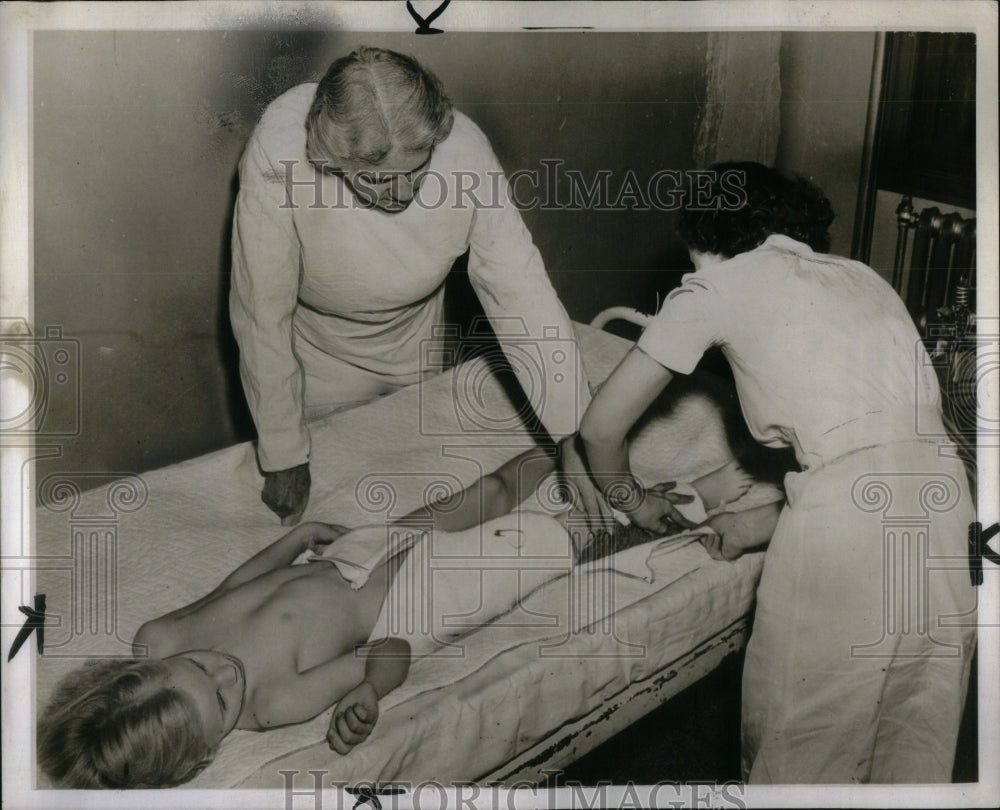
<point x="526" y="694"/>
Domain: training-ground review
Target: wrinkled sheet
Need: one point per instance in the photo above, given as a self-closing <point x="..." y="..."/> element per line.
<point x="127" y="552"/>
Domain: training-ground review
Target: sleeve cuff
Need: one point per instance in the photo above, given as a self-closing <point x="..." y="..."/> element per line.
<point x="283" y="452"/>
<point x="669" y="350"/>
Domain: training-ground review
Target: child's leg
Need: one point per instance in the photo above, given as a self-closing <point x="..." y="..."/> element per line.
<point x="738" y="532"/>
<point x="724" y="485"/>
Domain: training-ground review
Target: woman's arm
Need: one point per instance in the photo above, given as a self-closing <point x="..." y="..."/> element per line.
<point x="625" y="396"/>
<point x="262" y="301"/>
<point x="508" y="275"/>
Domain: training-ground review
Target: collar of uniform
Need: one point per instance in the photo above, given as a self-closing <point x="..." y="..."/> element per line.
<point x="787" y="243"/>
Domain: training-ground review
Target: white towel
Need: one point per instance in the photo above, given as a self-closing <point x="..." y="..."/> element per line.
<point x="360" y="551"/>
<point x="452" y="583"/>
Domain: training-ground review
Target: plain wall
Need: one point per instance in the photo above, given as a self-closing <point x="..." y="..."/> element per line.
<point x="136" y="141"/>
<point x="137" y="136"/>
<point x="825" y="88"/>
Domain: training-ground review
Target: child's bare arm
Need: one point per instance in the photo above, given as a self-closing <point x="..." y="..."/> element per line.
<point x="358" y="677"/>
<point x="386" y="666"/>
<point x="492" y="496"/>
<point x="283" y="551"/>
<point x="156" y="633"/>
<point x="301" y="697"/>
<point x="376" y="669"/>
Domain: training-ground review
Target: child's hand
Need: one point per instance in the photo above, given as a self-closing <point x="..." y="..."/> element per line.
<point x="324" y="534"/>
<point x="354" y="718"/>
<point x="316" y="536"/>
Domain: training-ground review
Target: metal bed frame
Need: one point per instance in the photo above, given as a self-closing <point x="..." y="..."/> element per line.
<point x="583" y="734"/>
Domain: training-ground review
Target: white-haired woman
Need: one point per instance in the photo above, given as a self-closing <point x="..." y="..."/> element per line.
<point x="356" y="197"/>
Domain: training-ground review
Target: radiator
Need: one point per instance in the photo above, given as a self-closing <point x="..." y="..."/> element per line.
<point x="942" y="261"/>
<point x="939" y="288"/>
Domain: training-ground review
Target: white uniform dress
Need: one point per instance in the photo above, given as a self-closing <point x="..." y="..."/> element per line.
<point x="331" y="303"/>
<point x="857" y="666"/>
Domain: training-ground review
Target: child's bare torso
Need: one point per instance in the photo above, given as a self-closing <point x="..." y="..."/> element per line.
<point x="278" y="625"/>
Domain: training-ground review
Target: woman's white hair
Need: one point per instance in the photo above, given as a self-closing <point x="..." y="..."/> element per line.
<point x="372" y="102"/>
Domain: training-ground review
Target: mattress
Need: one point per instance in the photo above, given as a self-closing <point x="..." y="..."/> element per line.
<point x="114" y="556"/>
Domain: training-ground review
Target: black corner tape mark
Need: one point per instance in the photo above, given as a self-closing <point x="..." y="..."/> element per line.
<point x="368" y="794"/>
<point x="978" y="549"/>
<point x="424" y="24"/>
<point x="35" y="623"/>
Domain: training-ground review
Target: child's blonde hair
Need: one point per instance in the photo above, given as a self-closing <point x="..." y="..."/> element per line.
<point x="114" y="723"/>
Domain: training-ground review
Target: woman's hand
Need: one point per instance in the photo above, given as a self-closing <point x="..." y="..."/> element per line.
<point x="581" y="491"/>
<point x="656" y="511"/>
<point x="286" y="493"/>
<point x="354" y="718"/>
<point x="623" y="398"/>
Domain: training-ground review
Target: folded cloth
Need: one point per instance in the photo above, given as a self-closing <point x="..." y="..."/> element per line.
<point x="451" y="583"/>
<point x="360" y="551"/>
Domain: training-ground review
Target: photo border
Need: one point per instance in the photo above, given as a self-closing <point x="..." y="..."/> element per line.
<point x="18" y="22"/>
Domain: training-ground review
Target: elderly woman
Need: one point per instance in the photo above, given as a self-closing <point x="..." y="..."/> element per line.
<point x="356" y="197"/>
<point x="864" y="628"/>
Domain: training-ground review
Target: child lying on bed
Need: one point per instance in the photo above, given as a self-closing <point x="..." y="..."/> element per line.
<point x="276" y="644"/>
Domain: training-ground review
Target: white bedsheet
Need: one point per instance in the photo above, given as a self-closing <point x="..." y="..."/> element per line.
<point x="113" y="562"/>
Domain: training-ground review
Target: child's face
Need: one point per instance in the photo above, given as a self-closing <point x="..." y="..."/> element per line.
<point x="214" y="682"/>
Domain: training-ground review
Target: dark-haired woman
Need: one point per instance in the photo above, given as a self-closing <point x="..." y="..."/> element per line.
<point x="858" y="663"/>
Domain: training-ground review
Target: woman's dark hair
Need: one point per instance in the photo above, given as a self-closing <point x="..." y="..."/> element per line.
<point x="752" y="201"/>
